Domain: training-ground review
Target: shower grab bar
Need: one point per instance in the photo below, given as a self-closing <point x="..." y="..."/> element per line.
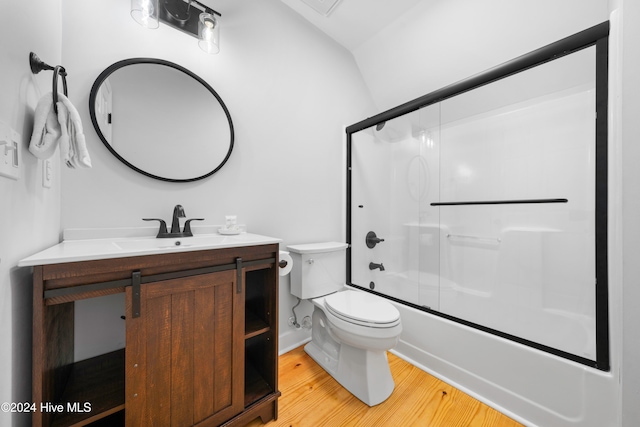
<point x="500" y="202"/>
<point x="489" y="240"/>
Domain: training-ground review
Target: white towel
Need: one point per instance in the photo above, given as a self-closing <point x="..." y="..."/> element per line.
<point x="46" y="129"/>
<point x="65" y="130"/>
<point x="72" y="144"/>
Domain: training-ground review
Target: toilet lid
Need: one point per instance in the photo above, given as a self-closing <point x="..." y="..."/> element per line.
<point x="362" y="308"/>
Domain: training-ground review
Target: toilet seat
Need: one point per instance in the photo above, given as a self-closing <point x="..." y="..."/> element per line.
<point x="363" y="309"/>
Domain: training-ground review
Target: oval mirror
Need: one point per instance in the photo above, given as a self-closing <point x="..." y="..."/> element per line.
<point x="161" y="120"/>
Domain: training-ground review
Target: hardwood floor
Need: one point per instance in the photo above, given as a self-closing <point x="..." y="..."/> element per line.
<point x="312" y="398"/>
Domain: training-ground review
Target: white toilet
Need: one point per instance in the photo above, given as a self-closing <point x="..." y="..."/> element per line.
<point x="351" y="330"/>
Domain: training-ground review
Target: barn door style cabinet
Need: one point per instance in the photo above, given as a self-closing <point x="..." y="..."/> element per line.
<point x="201" y="340"/>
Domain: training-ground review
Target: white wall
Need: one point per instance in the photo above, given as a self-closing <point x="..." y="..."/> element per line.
<point x="439" y="42"/>
<point x="290" y="91"/>
<point x="629" y="97"/>
<point x="29" y="214"/>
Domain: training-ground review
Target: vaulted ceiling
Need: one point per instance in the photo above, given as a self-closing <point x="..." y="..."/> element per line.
<point x="351" y="22"/>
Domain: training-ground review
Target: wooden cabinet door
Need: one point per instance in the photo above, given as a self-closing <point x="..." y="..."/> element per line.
<point x="185" y="352"/>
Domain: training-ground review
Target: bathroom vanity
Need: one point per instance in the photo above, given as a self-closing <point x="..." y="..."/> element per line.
<point x="201" y="332"/>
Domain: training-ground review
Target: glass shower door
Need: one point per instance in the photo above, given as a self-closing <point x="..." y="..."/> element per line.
<point x="488" y="200"/>
<point x="517" y="205"/>
<point x="394" y="178"/>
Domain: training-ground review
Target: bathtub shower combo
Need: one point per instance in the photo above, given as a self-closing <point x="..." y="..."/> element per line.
<point x="485" y="202"/>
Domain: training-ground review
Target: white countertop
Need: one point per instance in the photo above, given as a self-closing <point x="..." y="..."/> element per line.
<point x="107" y="248"/>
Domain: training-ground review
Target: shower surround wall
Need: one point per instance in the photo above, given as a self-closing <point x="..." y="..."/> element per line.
<point x="487" y="205"/>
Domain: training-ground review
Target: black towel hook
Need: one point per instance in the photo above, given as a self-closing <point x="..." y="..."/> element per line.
<point x="38" y="65"/>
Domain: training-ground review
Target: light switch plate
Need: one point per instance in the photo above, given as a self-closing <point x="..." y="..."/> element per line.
<point x="10" y="152"/>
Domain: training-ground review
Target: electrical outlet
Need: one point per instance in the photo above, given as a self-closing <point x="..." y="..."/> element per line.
<point x="10" y="153"/>
<point x="47" y="173"/>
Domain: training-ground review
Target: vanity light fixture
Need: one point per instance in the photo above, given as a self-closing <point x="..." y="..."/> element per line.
<point x="209" y="33"/>
<point x="189" y="16"/>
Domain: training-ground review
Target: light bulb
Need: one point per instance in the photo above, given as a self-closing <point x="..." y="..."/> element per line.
<point x="209" y="33"/>
<point x="144" y="12"/>
<point x="147" y="11"/>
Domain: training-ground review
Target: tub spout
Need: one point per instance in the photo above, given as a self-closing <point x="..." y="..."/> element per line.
<point x="373" y="266"/>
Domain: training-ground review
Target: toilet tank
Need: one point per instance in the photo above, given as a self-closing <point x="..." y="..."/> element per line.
<point x="318" y="268"/>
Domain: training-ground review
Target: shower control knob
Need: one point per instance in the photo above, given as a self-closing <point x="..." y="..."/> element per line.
<point x="372" y="240"/>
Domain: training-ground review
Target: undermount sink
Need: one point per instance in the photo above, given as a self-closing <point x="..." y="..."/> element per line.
<point x="209" y="240"/>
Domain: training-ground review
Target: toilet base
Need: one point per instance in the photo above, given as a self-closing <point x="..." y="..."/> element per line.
<point x="364" y="373"/>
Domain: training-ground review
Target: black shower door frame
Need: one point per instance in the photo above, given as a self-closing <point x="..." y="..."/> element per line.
<point x="595" y="36"/>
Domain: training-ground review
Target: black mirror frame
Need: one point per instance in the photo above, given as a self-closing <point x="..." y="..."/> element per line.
<point x="132" y="61"/>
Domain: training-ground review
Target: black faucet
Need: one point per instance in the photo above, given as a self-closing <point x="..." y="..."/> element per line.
<point x="373" y="266"/>
<point x="178" y="212"/>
